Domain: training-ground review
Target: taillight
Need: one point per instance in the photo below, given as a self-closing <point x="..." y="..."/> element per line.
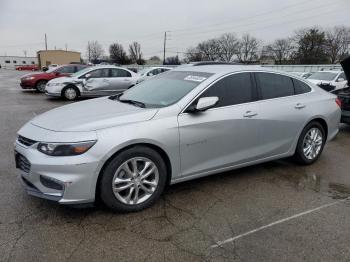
<point x="338" y="102"/>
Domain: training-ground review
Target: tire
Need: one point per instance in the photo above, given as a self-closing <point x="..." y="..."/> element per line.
<point x="310" y="149"/>
<point x="118" y="199"/>
<point x="70" y="93"/>
<point x="40" y="86"/>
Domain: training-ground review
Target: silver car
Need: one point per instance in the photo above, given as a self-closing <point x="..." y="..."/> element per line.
<point x="190" y="122"/>
<point x="92" y="82"/>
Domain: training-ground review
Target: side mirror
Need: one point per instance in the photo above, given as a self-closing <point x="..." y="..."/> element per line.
<point x="150" y="74"/>
<point x="57" y="73"/>
<point x="340" y="79"/>
<point x="45" y="68"/>
<point x="87" y="76"/>
<point x="203" y="104"/>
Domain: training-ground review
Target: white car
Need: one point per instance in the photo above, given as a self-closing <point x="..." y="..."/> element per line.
<point x="331" y="77"/>
<point x="150" y="72"/>
<point x="92" y="82"/>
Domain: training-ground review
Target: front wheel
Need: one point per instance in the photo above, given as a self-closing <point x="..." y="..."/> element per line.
<point x="133" y="180"/>
<point x="70" y="93"/>
<point x="40" y="86"/>
<point x="310" y="144"/>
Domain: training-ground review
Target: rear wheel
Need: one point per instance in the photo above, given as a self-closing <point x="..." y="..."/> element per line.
<point x="40" y="86"/>
<point x="133" y="180"/>
<point x="310" y="144"/>
<point x="70" y="93"/>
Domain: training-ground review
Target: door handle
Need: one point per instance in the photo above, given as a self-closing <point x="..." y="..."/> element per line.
<point x="250" y="114"/>
<point x="300" y="106"/>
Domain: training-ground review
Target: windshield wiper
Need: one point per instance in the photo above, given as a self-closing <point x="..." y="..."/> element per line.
<point x="133" y="102"/>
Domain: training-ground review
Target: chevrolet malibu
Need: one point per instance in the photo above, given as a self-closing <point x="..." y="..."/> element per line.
<point x="193" y="121"/>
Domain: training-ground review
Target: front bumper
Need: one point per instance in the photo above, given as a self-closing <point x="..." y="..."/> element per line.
<point x="53" y="90"/>
<point x="67" y="180"/>
<point x="27" y="84"/>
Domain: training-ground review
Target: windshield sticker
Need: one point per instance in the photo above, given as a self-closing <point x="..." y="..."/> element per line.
<point x="195" y="78"/>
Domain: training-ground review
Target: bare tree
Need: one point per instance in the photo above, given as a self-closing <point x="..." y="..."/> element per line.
<point x="193" y="55"/>
<point x="337" y="40"/>
<point x="281" y="49"/>
<point x="94" y="51"/>
<point x="209" y="49"/>
<point x="247" y="48"/>
<point x="135" y="53"/>
<point x="228" y="45"/>
<point x="117" y="54"/>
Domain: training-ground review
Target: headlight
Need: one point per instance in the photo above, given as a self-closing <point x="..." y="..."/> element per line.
<point x="65" y="149"/>
<point x="29" y="78"/>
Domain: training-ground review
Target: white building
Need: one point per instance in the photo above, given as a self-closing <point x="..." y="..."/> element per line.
<point x="10" y="62"/>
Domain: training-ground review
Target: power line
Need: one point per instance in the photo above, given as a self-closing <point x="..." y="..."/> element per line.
<point x="253" y="23"/>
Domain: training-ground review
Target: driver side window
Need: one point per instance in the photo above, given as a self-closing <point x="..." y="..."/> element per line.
<point x="99" y="73"/>
<point x="232" y="90"/>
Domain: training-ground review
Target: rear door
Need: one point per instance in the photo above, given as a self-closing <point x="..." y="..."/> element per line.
<point x="120" y="80"/>
<point x="224" y="135"/>
<point x="282" y="112"/>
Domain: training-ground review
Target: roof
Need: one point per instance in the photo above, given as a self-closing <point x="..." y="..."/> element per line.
<point x="221" y="68"/>
<point x="52" y="51"/>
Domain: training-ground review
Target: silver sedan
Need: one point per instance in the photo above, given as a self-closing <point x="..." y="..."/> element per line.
<point x="193" y="121"/>
<point x="92" y="82"/>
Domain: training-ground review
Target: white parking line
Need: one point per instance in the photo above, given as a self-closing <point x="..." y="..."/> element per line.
<point x="220" y="243"/>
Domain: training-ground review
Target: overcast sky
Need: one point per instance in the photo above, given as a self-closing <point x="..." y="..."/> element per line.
<point x="24" y="22"/>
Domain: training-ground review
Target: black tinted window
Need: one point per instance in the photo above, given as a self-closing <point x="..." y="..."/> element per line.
<point x="232" y="90"/>
<point x="274" y="85"/>
<point x="120" y="73"/>
<point x="300" y="87"/>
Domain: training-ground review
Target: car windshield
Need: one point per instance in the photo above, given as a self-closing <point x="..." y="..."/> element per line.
<point x="165" y="89"/>
<point x="327" y="76"/>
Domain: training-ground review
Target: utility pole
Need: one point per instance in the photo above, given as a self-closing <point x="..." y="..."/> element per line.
<point x="164" y="48"/>
<point x="165" y="39"/>
<point x="45" y="42"/>
<point x="66" y="47"/>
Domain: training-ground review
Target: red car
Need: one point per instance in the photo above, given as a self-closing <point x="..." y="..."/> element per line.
<point x="39" y="80"/>
<point x="27" y="67"/>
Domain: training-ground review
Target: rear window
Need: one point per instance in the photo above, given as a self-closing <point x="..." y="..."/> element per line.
<point x="300" y="87"/>
<point x="274" y="85"/>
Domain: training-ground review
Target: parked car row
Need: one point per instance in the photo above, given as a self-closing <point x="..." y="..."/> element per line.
<point x="74" y="80"/>
<point x="193" y="121"/>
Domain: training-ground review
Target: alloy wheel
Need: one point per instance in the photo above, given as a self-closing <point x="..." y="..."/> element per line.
<point x="41" y="86"/>
<point x="135" y="180"/>
<point x="312" y="143"/>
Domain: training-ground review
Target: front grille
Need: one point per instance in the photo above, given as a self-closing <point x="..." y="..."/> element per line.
<point x="25" y="141"/>
<point x="22" y="163"/>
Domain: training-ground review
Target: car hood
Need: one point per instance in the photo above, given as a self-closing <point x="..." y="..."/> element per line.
<point x="33" y="74"/>
<point x="92" y="115"/>
<point x="346" y="67"/>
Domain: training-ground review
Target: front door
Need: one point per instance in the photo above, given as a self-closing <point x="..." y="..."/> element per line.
<point x="225" y="135"/>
